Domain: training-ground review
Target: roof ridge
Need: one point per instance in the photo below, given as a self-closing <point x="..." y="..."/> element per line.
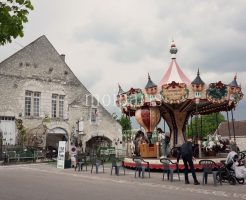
<point x="9" y="57"/>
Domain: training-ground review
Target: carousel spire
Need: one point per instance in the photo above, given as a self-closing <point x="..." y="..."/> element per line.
<point x="234" y="82"/>
<point x="150" y="83"/>
<point x="120" y="90"/>
<point x="198" y="80"/>
<point x="173" y="50"/>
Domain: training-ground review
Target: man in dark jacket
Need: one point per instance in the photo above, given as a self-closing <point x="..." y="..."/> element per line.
<point x="187" y="156"/>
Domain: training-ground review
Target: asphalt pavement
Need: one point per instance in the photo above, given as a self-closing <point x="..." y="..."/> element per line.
<point x="46" y="182"/>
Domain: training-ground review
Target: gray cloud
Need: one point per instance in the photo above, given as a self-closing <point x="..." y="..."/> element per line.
<point x="110" y="41"/>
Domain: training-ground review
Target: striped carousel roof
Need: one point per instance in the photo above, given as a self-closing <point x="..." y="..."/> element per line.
<point x="174" y="72"/>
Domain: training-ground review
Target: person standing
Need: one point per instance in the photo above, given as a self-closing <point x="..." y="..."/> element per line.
<point x="187" y="156"/>
<point x="164" y="140"/>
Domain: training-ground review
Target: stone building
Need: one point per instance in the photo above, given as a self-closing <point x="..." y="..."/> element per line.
<point x="38" y="87"/>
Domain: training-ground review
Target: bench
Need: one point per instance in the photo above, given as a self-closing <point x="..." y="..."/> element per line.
<point x="12" y="156"/>
<point x="26" y="155"/>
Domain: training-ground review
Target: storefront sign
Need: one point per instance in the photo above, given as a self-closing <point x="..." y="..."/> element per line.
<point x="61" y="154"/>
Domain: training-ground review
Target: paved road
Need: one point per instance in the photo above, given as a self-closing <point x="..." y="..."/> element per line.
<point x="45" y="182"/>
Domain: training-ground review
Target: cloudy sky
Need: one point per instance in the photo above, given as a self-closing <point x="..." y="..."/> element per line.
<point x="111" y="41"/>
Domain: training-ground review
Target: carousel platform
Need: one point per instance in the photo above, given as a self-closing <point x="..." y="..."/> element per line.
<point x="155" y="163"/>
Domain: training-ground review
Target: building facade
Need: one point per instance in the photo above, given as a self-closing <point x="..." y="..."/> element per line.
<point x="38" y="88"/>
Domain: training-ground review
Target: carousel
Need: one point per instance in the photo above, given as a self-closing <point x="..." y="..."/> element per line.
<point x="175" y="99"/>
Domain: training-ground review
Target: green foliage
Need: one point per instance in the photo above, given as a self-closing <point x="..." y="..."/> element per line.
<point x="13" y="15"/>
<point x="22" y="133"/>
<point x="124" y="121"/>
<point x="126" y="126"/>
<point x="127" y="135"/>
<point x="46" y="119"/>
<point x="207" y="125"/>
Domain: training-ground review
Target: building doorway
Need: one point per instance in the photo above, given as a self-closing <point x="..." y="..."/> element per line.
<point x="93" y="145"/>
<point x="8" y="128"/>
<point x="53" y="137"/>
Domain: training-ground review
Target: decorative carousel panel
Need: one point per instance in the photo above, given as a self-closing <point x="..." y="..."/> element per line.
<point x="217" y="92"/>
<point x="135" y="98"/>
<point x="174" y="92"/>
<point x="122" y="101"/>
<point x="235" y="94"/>
<point x="152" y="98"/>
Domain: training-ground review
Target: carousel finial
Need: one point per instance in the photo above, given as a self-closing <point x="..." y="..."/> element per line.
<point x="148" y="76"/>
<point x="235" y="77"/>
<point x="173" y="50"/>
<point x="198" y="72"/>
<point x="120" y="90"/>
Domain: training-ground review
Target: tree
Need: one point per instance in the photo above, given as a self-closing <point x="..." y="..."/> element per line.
<point x="13" y="15"/>
<point x="205" y="124"/>
<point x="124" y="121"/>
<point x="126" y="126"/>
<point x="22" y="132"/>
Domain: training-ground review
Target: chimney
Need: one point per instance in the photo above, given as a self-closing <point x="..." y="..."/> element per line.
<point x="63" y="57"/>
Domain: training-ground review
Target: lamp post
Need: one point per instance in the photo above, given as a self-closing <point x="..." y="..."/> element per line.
<point x="198" y="132"/>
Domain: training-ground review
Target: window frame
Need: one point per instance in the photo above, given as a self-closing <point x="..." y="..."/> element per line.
<point x="32" y="103"/>
<point x="58" y="106"/>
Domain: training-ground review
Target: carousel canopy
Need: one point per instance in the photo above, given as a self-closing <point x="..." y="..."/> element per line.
<point x="174" y="72"/>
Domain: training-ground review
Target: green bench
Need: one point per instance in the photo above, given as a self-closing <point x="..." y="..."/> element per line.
<point x="12" y="156"/>
<point x="26" y="155"/>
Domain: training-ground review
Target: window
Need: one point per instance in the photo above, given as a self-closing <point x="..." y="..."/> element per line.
<point x="94" y="115"/>
<point x="32" y="103"/>
<point x="36" y="103"/>
<point x="57" y="106"/>
<point x="197" y="94"/>
<point x="61" y="106"/>
<point x="54" y="105"/>
<point x="28" y="103"/>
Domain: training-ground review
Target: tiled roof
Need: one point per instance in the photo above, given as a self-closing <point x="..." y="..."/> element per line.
<point x="150" y="83"/>
<point x="198" y="80"/>
<point x="240" y="128"/>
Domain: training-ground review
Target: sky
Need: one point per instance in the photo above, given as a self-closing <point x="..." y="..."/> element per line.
<point x="121" y="41"/>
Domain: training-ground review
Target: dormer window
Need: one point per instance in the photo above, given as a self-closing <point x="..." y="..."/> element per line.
<point x="197" y="94"/>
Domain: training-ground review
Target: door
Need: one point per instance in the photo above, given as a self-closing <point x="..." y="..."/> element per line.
<point x="8" y="128"/>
